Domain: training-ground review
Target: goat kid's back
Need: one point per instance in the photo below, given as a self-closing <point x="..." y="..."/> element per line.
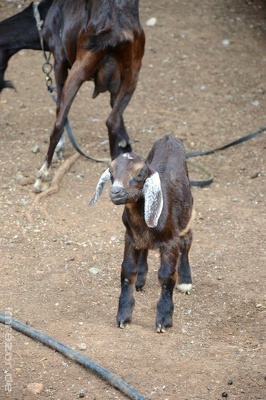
<point x="168" y="158"/>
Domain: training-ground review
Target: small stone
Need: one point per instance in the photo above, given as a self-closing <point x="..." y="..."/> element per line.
<point x="81" y="393"/>
<point x="224" y="394"/>
<point x="94" y="271"/>
<point x="35" y="149"/>
<point x="230" y="382"/>
<point x="255" y="103"/>
<point x="151" y="22"/>
<point x="82" y="346"/>
<point x="225" y="42"/>
<point x="35" y="387"/>
<point x="24" y="180"/>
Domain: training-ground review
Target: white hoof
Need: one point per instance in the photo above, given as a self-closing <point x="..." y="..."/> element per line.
<point x="184" y="287"/>
<point x="43" y="179"/>
<point x="40" y="185"/>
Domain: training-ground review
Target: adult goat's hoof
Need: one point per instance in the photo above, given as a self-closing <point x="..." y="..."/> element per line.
<point x="43" y="180"/>
<point x="40" y="185"/>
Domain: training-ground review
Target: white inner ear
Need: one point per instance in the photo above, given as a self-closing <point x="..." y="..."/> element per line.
<point x="153" y="200"/>
<point x="106" y="176"/>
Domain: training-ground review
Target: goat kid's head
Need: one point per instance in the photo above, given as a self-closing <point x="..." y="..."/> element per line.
<point x="132" y="179"/>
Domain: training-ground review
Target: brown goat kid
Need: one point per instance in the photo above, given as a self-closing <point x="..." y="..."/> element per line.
<point x="158" y="212"/>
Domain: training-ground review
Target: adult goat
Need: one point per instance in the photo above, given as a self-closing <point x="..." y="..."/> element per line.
<point x="102" y="41"/>
<point x="92" y="40"/>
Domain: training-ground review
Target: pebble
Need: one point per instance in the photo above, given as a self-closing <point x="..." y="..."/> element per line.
<point x="35" y="387"/>
<point x="94" y="271"/>
<point x="35" y="149"/>
<point x="225" y="42"/>
<point x="82" y="346"/>
<point x="255" y="103"/>
<point x="151" y="22"/>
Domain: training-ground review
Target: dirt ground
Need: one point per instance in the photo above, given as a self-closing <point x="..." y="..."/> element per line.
<point x="203" y="80"/>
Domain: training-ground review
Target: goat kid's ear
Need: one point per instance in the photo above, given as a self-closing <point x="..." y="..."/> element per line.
<point x="153" y="197"/>
<point x="106" y="176"/>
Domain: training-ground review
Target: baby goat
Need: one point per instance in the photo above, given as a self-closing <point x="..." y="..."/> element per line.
<point x="158" y="211"/>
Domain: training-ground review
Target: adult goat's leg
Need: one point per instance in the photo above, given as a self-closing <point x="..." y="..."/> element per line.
<point x="129" y="272"/>
<point x="129" y="57"/>
<point x="70" y="89"/>
<point x="123" y="140"/>
<point x="4" y="58"/>
<point x="60" y="71"/>
<point x="167" y="277"/>
<point x="184" y="272"/>
<point x="118" y="137"/>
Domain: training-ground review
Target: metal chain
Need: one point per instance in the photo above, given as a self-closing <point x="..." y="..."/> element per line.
<point x="47" y="67"/>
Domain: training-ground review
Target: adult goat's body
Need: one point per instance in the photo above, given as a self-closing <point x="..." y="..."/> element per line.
<point x="158" y="211"/>
<point x="97" y="40"/>
<point x="102" y="41"/>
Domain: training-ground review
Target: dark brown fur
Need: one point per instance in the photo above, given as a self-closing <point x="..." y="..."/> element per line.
<point x="102" y="41"/>
<point x="168" y="230"/>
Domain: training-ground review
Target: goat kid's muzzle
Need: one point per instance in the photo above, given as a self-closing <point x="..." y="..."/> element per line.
<point x="118" y="194"/>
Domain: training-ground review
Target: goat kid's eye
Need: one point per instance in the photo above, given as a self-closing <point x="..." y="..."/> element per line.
<point x="141" y="175"/>
<point x="138" y="178"/>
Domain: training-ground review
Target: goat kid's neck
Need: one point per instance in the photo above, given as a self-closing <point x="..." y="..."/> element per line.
<point x="135" y="213"/>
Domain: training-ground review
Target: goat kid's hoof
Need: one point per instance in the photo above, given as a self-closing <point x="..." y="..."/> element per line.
<point x="160" y="329"/>
<point x="184" y="287"/>
<point x="122" y="324"/>
<point x="163" y="323"/>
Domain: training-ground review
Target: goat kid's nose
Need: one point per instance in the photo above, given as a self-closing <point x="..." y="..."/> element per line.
<point x="116" y="189"/>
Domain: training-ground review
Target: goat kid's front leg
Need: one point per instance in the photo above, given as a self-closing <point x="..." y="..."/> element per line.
<point x="129" y="272"/>
<point x="167" y="277"/>
<point x="184" y="271"/>
<point x="142" y="270"/>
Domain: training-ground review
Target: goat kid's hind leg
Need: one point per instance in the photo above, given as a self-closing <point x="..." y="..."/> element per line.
<point x="129" y="272"/>
<point x="184" y="271"/>
<point x="167" y="277"/>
